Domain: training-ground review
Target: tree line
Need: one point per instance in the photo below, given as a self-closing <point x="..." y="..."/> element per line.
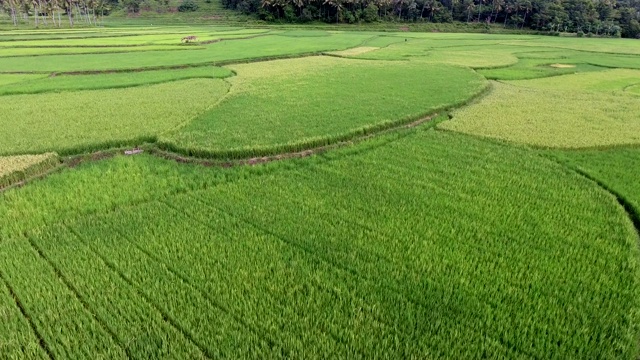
<point x="585" y="17"/>
<point x="53" y="12"/>
<point x="591" y="17"/>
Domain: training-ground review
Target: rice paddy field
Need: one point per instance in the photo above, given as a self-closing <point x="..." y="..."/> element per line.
<point x="278" y="193"/>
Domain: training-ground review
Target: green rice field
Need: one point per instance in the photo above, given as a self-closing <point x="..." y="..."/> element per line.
<point x="291" y="193"/>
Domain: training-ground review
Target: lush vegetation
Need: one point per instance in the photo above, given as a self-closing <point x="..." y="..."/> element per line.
<point x="224" y="51"/>
<point x="38" y="84"/>
<point x="7" y="79"/>
<point x="385" y="237"/>
<point x="170" y="37"/>
<point x="66" y="50"/>
<point x="402" y="282"/>
<point x="72" y="122"/>
<point x="615" y="169"/>
<point x="469" y="52"/>
<point x="614" y="82"/>
<point x="551" y="118"/>
<point x="584" y="17"/>
<point x="312" y="102"/>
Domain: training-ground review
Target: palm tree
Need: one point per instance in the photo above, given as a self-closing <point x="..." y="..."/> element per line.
<point x="6" y="6"/>
<point x="12" y="7"/>
<point x="69" y="9"/>
<point x="526" y="5"/>
<point x="398" y="5"/>
<point x="507" y="11"/>
<point x="453" y="6"/>
<point x="299" y="4"/>
<point x="480" y="6"/>
<point x="497" y="7"/>
<point x="337" y="4"/>
<point x="469" y="6"/>
<point x="36" y="11"/>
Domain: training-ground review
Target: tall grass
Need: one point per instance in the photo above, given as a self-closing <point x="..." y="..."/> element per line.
<point x="418" y="244"/>
<point x="550" y="118"/>
<point x="80" y="121"/>
<point x="291" y="105"/>
<point x="110" y="80"/>
<point x="225" y="51"/>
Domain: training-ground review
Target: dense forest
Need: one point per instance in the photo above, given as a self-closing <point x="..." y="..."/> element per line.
<point x="590" y="17"/>
<point x="584" y="17"/>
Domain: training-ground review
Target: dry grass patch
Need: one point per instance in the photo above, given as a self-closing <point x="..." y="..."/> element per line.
<point x="355" y="51"/>
<point x="562" y="66"/>
<point x="19" y="167"/>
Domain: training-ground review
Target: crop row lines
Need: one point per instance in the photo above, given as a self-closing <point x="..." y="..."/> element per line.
<point x="624" y="201"/>
<point x="354" y="274"/>
<point x="166" y="316"/>
<point x="327" y="221"/>
<point x="426" y="182"/>
<point x="193" y="215"/>
<point x="319" y="141"/>
<point x="94" y="278"/>
<point x="180" y="212"/>
<point x="41" y="342"/>
<point x="216" y="304"/>
<point x="77" y="295"/>
<point x="199" y="303"/>
<point x="308" y="252"/>
<point x="82" y="53"/>
<point x="54" y="308"/>
<point x="339" y="216"/>
<point x="174" y="67"/>
<point x="256" y="197"/>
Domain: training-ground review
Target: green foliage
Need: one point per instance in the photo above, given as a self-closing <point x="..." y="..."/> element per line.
<point x="533" y="65"/>
<point x="111" y="80"/>
<point x="221" y="256"/>
<point x="225" y="51"/>
<point x="558" y="47"/>
<point x="538" y="68"/>
<point x="188" y="5"/>
<point x="613" y="19"/>
<point x="9" y="79"/>
<point x="18" y="340"/>
<point x="633" y="89"/>
<point x="38" y="51"/>
<point x="133" y="39"/>
<point x="290" y="105"/>
<point x="89" y="120"/>
<point x="485" y="52"/>
<point x="132" y="6"/>
<point x="550" y="118"/>
<point x="415" y="243"/>
<point x="611" y="82"/>
<point x="613" y="168"/>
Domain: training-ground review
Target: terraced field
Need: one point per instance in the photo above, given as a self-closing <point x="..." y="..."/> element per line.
<point x="552" y="118"/>
<point x="284" y="105"/>
<point x="14" y="169"/>
<point x="270" y="193"/>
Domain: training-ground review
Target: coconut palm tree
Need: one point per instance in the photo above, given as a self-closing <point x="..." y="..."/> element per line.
<point x="469" y="5"/>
